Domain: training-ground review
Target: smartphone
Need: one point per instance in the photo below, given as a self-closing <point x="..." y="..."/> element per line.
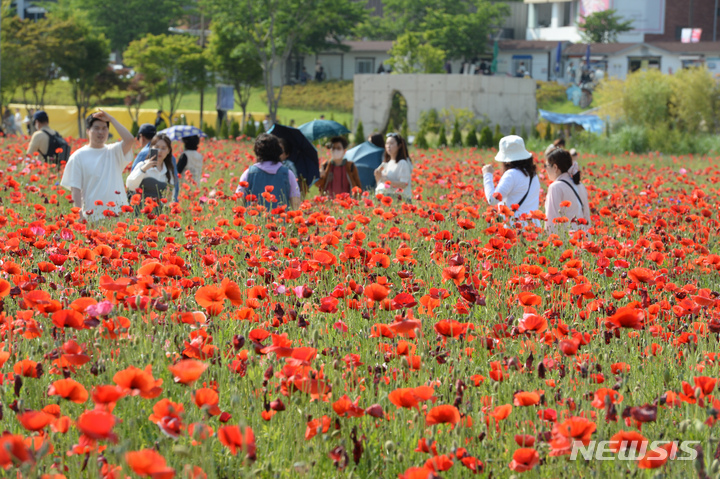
<point x="153" y="152"/>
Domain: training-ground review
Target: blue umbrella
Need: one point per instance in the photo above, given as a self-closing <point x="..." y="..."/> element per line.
<point x="178" y="132"/>
<point x="322" y="129"/>
<point x="303" y="154"/>
<point x="367" y="157"/>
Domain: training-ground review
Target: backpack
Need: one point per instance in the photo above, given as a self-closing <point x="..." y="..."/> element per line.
<point x="56" y="142"/>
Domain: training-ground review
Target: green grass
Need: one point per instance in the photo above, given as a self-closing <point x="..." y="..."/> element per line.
<point x="58" y="93"/>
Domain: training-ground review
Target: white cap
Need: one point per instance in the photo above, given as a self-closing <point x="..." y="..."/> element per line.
<point x="512" y="148"/>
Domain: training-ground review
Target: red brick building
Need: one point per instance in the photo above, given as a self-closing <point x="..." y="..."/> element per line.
<point x="681" y="14"/>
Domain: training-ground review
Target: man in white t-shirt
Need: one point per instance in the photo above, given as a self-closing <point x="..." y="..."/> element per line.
<point x="93" y="173"/>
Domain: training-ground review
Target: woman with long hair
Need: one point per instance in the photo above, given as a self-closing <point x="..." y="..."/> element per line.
<point x="395" y="172"/>
<point x="155" y="173"/>
<point x="567" y="197"/>
<point x="519" y="184"/>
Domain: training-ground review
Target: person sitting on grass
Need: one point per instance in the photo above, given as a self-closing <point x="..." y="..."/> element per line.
<point x="93" y="173"/>
<point x="338" y="175"/>
<point x="268" y="170"/>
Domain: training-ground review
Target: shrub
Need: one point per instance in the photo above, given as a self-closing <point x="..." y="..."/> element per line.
<point x="404" y="132"/>
<point x="359" y="133"/>
<point x="208" y="130"/>
<point x="549" y="92"/>
<point x="421" y="140"/>
<point x="548" y="132"/>
<point x="471" y="141"/>
<point x="234" y="129"/>
<point x="456" y="139"/>
<point x="523" y="133"/>
<point x="486" y="138"/>
<point x="512" y="131"/>
<point x="429" y="121"/>
<point x="442" y="139"/>
<point x="250" y="131"/>
<point x="497" y="136"/>
<point x="134" y="129"/>
<point x="223" y="134"/>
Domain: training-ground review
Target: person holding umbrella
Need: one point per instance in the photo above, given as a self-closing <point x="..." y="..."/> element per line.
<point x="268" y="170"/>
<point x="338" y="175"/>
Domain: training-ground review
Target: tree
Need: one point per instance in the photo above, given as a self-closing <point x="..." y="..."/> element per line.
<point x="460" y="28"/>
<point x="604" y="27"/>
<point x="125" y="21"/>
<point x="276" y="27"/>
<point x="411" y="53"/>
<point x="83" y="64"/>
<point x="137" y="92"/>
<point x="235" y="61"/>
<point x="10" y="46"/>
<point x="35" y="48"/>
<point x="170" y="64"/>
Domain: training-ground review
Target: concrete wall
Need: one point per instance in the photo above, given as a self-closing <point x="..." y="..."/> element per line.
<point x="503" y="100"/>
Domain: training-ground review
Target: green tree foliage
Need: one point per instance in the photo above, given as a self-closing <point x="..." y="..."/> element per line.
<point x="604" y="27"/>
<point x="170" y="64"/>
<point x="235" y="62"/>
<point x="125" y="21"/>
<point x="359" y="133"/>
<point x="404" y="130"/>
<point x="421" y="140"/>
<point x="277" y="28"/>
<point x="456" y="139"/>
<point x="442" y="137"/>
<point x="460" y="28"/>
<point x="430" y="120"/>
<point x="695" y="100"/>
<point x="486" y="138"/>
<point x="234" y="129"/>
<point x="31" y="49"/>
<point x="86" y="66"/>
<point x="224" y="131"/>
<point x="497" y="136"/>
<point x="412" y="53"/>
<point x="471" y="140"/>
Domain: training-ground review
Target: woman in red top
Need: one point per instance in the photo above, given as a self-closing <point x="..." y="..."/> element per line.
<point x="338" y="175"/>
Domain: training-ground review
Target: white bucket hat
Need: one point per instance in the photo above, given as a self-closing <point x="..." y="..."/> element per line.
<point x="512" y="148"/>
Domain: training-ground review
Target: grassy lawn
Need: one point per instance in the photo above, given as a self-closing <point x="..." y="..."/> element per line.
<point x="58" y="93"/>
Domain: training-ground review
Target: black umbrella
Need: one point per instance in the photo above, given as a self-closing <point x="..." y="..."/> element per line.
<point x="303" y="155"/>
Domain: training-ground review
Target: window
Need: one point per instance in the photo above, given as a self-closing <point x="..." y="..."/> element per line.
<point x="364" y="65"/>
<point x="521" y="64"/>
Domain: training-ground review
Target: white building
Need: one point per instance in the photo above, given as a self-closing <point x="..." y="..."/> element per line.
<point x="362" y="57"/>
<point x="559" y="20"/>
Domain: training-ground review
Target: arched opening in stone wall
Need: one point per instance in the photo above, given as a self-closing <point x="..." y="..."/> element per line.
<point x="398" y="113"/>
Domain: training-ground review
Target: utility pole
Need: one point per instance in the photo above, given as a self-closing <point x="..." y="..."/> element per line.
<point x="202" y="46"/>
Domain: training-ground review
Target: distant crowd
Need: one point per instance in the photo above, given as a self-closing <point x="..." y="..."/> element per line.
<point x="94" y="173"/>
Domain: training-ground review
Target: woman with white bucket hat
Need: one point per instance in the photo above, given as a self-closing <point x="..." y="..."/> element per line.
<point x="519" y="184"/>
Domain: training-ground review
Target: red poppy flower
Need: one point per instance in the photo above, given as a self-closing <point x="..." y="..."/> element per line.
<point x="524" y="459"/>
<point x="187" y="371"/>
<point x="443" y="414"/>
<point x="69" y="389"/>
<point x="149" y="463"/>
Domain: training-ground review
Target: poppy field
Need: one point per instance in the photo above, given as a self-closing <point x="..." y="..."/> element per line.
<point x="361" y="336"/>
